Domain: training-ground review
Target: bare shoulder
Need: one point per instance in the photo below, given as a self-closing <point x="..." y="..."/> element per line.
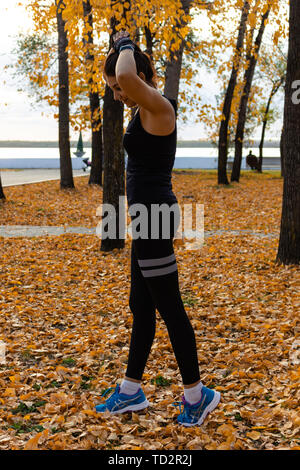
<point x="156" y="112"/>
<point x="159" y="124"/>
<point x="146" y="96"/>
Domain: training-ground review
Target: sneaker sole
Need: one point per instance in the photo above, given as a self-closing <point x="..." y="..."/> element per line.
<point x="213" y="404"/>
<point x="139" y="406"/>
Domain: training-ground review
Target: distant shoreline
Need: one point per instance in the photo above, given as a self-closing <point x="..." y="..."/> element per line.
<point x="180" y="143"/>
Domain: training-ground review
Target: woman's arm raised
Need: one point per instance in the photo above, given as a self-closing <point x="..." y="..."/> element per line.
<point x="137" y="89"/>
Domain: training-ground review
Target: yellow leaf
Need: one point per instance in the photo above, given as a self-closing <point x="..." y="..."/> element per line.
<point x="90" y="412"/>
<point x="9" y="392"/>
<point x="252" y="20"/>
<point x="62" y="370"/>
<point x="254" y="435"/>
<point x="32" y="444"/>
<point x="14" y="378"/>
<point x="226" y="430"/>
<point x="224" y="446"/>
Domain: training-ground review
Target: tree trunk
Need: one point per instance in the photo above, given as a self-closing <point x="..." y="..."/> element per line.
<point x="2" y="195"/>
<point x="97" y="141"/>
<point x="173" y="68"/>
<point x="261" y="144"/>
<point x="114" y="161"/>
<point x="274" y="90"/>
<point x="66" y="175"/>
<point x="149" y="42"/>
<point x="239" y="136"/>
<point x="223" y="133"/>
<point x="281" y="154"/>
<point x="97" y="145"/>
<point x="289" y="241"/>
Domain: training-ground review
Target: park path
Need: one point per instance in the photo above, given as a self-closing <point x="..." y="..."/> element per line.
<point x="29" y="176"/>
<point x="8" y="231"/>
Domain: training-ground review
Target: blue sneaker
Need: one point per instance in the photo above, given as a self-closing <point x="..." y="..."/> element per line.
<point x="120" y="403"/>
<point x="193" y="415"/>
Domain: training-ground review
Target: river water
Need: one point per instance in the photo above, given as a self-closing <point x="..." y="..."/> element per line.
<point x="186" y="157"/>
<point x="188" y="152"/>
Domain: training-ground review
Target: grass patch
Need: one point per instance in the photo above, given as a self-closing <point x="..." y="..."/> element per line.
<point x="68" y="362"/>
<point x="189" y="299"/>
<point x="161" y="381"/>
<point x="24" y="409"/>
<point x="21" y="428"/>
<point x="85" y="385"/>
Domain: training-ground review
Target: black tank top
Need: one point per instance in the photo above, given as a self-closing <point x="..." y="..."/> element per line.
<point x="150" y="163"/>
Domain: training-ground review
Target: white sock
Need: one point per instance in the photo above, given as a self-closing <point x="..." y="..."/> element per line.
<point x="128" y="387"/>
<point x="193" y="394"/>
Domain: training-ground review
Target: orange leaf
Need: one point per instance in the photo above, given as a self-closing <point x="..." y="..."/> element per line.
<point x="32" y="444"/>
<point x="254" y="435"/>
<point x="9" y="392"/>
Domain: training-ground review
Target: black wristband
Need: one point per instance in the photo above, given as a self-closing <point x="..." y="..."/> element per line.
<point x="126" y="46"/>
<point x="122" y="42"/>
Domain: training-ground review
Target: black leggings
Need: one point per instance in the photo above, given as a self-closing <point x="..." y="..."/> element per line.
<point x="154" y="284"/>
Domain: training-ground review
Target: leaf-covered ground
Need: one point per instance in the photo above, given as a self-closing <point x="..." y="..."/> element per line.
<point x="66" y="324"/>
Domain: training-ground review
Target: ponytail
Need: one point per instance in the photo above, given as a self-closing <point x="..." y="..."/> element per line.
<point x="143" y="64"/>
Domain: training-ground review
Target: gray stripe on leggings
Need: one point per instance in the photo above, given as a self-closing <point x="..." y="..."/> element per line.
<point x="159" y="271"/>
<point x="156" y="261"/>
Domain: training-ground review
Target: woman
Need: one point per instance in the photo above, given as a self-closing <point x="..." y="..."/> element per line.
<point x="150" y="142"/>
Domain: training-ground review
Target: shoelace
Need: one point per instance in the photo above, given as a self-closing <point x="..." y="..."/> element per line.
<point x="107" y="390"/>
<point x="178" y="404"/>
<point x="185" y="410"/>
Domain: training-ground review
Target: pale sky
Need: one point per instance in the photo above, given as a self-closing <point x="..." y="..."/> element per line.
<point x="19" y="121"/>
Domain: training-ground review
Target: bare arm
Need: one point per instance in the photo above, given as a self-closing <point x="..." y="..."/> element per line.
<point x="126" y="64"/>
<point x="139" y="91"/>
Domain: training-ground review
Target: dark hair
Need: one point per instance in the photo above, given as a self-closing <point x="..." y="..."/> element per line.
<point x="143" y="64"/>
